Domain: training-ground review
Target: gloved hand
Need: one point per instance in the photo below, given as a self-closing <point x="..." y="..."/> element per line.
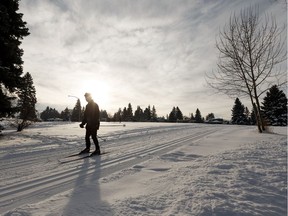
<point x="81" y="125"/>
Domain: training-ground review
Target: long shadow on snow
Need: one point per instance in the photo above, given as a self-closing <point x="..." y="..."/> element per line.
<point x="86" y="196"/>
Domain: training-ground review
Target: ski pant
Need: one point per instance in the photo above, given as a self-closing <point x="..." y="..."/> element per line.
<point x="93" y="133"/>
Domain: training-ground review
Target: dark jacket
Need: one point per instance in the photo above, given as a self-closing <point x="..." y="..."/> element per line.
<point x="91" y="116"/>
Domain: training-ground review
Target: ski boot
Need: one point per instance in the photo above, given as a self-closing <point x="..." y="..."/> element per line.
<point x="85" y="151"/>
<point x="96" y="152"/>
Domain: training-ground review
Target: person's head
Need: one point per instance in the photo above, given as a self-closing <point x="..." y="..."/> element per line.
<point x="88" y="97"/>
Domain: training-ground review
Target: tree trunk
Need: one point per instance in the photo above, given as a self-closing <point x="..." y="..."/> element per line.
<point x="257" y="118"/>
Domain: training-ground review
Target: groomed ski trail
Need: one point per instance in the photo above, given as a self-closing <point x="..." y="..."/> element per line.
<point x="124" y="155"/>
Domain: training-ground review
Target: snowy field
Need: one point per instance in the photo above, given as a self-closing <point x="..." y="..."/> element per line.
<point x="148" y="169"/>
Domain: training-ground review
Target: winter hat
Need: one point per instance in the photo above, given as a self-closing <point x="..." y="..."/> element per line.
<point x="88" y="94"/>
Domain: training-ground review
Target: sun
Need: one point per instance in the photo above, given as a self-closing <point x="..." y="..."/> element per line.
<point x="99" y="90"/>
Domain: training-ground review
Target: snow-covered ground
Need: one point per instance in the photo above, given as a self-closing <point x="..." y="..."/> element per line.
<point x="148" y="169"/>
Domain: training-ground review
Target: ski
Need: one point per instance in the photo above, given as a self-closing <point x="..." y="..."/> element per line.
<point x="80" y="158"/>
<point x="74" y="155"/>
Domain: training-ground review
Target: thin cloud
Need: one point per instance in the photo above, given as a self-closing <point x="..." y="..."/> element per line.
<point x="148" y="52"/>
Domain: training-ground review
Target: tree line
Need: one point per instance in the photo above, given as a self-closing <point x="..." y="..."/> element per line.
<point x="274" y="110"/>
<point x="76" y="114"/>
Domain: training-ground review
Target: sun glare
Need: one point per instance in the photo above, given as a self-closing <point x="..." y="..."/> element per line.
<point x="98" y="89"/>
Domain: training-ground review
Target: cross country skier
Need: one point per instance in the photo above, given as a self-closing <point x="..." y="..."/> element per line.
<point x="91" y="119"/>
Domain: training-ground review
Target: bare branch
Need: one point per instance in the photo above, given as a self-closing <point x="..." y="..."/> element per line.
<point x="249" y="48"/>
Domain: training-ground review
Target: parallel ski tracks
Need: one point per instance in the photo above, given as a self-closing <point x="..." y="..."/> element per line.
<point x="43" y="187"/>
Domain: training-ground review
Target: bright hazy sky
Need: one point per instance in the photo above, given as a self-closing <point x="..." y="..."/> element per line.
<point x="143" y="52"/>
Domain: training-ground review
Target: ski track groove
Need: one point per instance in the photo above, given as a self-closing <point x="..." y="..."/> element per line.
<point x="43" y="187"/>
<point x="24" y="159"/>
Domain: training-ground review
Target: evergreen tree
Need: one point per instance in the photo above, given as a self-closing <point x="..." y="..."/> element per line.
<point x="118" y="116"/>
<point x="12" y="31"/>
<point x="147" y="114"/>
<point x="103" y="115"/>
<point x="275" y="106"/>
<point x="198" y="116"/>
<point x="54" y="113"/>
<point x="76" y="112"/>
<point x="139" y="115"/>
<point x="45" y="114"/>
<point x="175" y="115"/>
<point x="27" y="101"/>
<point x="172" y="116"/>
<point x="65" y="114"/>
<point x="49" y="113"/>
<point x="210" y="116"/>
<point x="178" y="114"/>
<point x="253" y="118"/>
<point x="153" y="114"/>
<point x="192" y="119"/>
<point x="247" y="115"/>
<point x="129" y="113"/>
<point x="124" y="114"/>
<point x="238" y="113"/>
<point x="6" y="108"/>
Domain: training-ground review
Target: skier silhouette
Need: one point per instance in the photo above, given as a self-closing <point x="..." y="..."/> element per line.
<point x="92" y="122"/>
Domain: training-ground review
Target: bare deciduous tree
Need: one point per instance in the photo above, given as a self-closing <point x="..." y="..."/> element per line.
<point x="249" y="48"/>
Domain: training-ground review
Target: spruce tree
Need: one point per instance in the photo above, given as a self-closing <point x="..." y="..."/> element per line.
<point x="76" y="112"/>
<point x="138" y="115"/>
<point x="192" y="118"/>
<point x="65" y="114"/>
<point x="12" y="31"/>
<point x="275" y="106"/>
<point x="153" y="114"/>
<point x="49" y="113"/>
<point x="5" y="103"/>
<point x="118" y="115"/>
<point x="238" y="113"/>
<point x="45" y="114"/>
<point x="27" y="101"/>
<point x="175" y="115"/>
<point x="147" y="114"/>
<point x="247" y="115"/>
<point x="179" y="114"/>
<point x="253" y="118"/>
<point x="172" y="116"/>
<point x="124" y="114"/>
<point x="129" y="113"/>
<point x="210" y="116"/>
<point x="198" y="116"/>
<point x="104" y="115"/>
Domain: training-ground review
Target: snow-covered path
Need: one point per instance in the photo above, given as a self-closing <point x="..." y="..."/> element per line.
<point x="149" y="169"/>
